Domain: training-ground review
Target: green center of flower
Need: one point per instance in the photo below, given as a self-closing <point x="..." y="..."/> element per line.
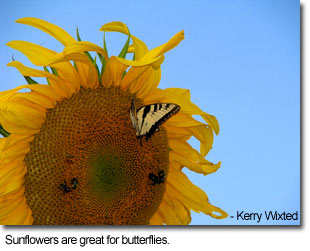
<point x="107" y="176"/>
<point x="86" y="165"/>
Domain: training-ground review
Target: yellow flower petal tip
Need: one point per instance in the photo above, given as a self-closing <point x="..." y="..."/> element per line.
<point x="115" y="26"/>
<point x="99" y="143"/>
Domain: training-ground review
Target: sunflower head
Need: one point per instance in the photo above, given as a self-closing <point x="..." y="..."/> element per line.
<point x="100" y="143"/>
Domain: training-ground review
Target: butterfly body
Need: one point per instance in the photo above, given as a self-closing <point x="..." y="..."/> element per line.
<point x="147" y="119"/>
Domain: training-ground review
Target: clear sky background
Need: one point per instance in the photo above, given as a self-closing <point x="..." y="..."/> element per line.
<point x="240" y="59"/>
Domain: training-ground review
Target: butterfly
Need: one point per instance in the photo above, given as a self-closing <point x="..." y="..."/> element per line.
<point x="147" y="119"/>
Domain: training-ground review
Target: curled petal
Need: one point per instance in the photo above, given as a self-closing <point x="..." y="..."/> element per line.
<point x="37" y="54"/>
<point x="138" y="47"/>
<point x="182" y="98"/>
<point x="160" y="50"/>
<point x="27" y="71"/>
<point x="185" y="155"/>
<point x="83" y="46"/>
<point x="61" y="35"/>
<point x="196" y="199"/>
<point x="154" y="62"/>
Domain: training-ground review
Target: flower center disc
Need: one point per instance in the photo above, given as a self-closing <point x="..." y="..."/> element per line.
<point x="86" y="165"/>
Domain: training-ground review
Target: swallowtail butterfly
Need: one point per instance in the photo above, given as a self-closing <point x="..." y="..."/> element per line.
<point x="147" y="119"/>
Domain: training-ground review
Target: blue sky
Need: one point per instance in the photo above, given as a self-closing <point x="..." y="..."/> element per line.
<point x="240" y="59"/>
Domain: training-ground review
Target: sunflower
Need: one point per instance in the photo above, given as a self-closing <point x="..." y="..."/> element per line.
<point x="69" y="153"/>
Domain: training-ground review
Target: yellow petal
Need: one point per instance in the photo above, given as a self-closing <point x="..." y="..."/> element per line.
<point x="142" y="80"/>
<point x="3" y="142"/>
<point x="83" y="46"/>
<point x="37" y="99"/>
<point x="184" y="154"/>
<point x="15" y="115"/>
<point x="205" y="135"/>
<point x="155" y="62"/>
<point x="37" y="54"/>
<point x="53" y="30"/>
<point x="28" y="220"/>
<point x="12" y="180"/>
<point x="131" y="49"/>
<point x="132" y="75"/>
<point x="115" y="26"/>
<point x="172" y="211"/>
<point x="180" y="212"/>
<point x="181" y="120"/>
<point x="185" y="149"/>
<point x="41" y="56"/>
<point x="168" y="214"/>
<point x="160" y="50"/>
<point x="139" y="47"/>
<point x="202" y="132"/>
<point x="198" y="167"/>
<point x="86" y="69"/>
<point x="12" y="152"/>
<point x="91" y="79"/>
<point x="46" y="91"/>
<point x="147" y="83"/>
<point x="153" y="82"/>
<point x="196" y="199"/>
<point x="30" y="72"/>
<point x="6" y="167"/>
<point x="156" y="220"/>
<point x="175" y="135"/>
<point x="12" y="186"/>
<point x="7" y="95"/>
<point x="182" y="98"/>
<point x="19" y="215"/>
<point x="8" y="204"/>
<point x="59" y="86"/>
<point x="113" y="72"/>
<point x="14" y="148"/>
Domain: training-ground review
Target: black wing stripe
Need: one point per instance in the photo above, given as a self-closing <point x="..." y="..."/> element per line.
<point x="153" y="128"/>
<point x="145" y="112"/>
<point x="150" y="117"/>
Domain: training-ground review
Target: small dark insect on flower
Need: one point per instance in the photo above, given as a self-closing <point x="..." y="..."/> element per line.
<point x="157" y="179"/>
<point x="64" y="187"/>
<point x="74" y="183"/>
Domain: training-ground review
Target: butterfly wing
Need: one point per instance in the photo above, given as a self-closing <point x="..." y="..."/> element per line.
<point x="150" y="117"/>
